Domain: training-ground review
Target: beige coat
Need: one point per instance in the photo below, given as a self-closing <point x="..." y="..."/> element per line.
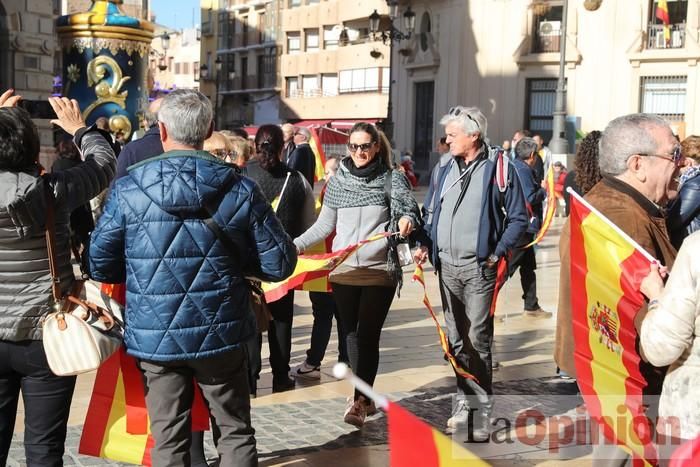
<point x="669" y="336"/>
<point x="643" y="222"/>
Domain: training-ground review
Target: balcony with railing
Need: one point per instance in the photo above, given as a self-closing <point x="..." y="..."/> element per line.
<point x="656" y="39"/>
<point x="547" y="37"/>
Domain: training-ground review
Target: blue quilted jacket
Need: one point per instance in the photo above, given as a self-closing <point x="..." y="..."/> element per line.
<point x="186" y="297"/>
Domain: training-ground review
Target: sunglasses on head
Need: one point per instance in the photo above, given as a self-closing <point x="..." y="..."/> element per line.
<point x="455" y="111"/>
<point x="362" y="147"/>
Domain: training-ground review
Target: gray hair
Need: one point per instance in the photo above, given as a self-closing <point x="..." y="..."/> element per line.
<point x="187" y="115"/>
<point x="471" y="119"/>
<point x="626" y="136"/>
<point x="525" y="148"/>
<point x="303" y="131"/>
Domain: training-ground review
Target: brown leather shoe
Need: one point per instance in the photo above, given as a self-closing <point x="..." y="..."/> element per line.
<point x="355" y="412"/>
<point x="538" y="313"/>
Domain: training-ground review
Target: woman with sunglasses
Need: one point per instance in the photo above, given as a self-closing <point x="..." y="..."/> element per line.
<point x="684" y="211"/>
<point x="366" y="197"/>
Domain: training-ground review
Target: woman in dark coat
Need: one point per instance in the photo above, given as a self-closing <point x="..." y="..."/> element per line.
<point x="25" y="281"/>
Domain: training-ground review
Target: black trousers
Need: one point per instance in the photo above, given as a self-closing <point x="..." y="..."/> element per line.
<point x="363" y="310"/>
<point x="46" y="398"/>
<point x="279" y="335"/>
<point x="526" y="261"/>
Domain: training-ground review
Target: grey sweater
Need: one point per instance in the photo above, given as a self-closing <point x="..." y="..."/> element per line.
<point x="25" y="282"/>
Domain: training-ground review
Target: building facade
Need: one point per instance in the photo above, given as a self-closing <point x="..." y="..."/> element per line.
<point x="176" y="67"/>
<point x="331" y="66"/>
<point x="28" y="55"/>
<point x="294" y="60"/>
<point x="239" y="60"/>
<point x="503" y="56"/>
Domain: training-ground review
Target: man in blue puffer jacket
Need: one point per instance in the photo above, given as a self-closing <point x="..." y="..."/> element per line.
<point x="187" y="310"/>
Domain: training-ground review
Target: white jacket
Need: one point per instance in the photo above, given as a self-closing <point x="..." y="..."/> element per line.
<point x="669" y="336"/>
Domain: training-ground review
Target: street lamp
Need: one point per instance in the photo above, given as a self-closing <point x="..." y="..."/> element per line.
<point x="391" y="35"/>
<point x="204" y="72"/>
<point x="165" y="45"/>
<point x="559" y="145"/>
<point x="218" y="64"/>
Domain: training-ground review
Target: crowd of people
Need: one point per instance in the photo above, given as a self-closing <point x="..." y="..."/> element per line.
<point x="190" y="217"/>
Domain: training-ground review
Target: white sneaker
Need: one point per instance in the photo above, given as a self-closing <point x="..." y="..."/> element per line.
<point x="306" y="371"/>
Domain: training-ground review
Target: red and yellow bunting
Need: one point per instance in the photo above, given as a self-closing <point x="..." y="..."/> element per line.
<point x="606" y="270"/>
<point x="319" y="155"/>
<point x="412" y="442"/>
<point x="311" y="268"/>
<point x="419" y="277"/>
<point x="551" y="208"/>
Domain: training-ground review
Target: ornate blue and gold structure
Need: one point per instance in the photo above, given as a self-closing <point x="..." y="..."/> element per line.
<point x="105" y="64"/>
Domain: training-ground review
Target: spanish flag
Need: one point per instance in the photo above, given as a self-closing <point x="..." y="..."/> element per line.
<point x="663" y="16"/>
<point x="116" y="424"/>
<point x="551" y="208"/>
<point x="310" y="268"/>
<point x="412" y="442"/>
<point x="607" y="267"/>
<point x="319" y="155"/>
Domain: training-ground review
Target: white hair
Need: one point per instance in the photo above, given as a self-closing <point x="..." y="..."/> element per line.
<point x="187" y="115"/>
<point x="471" y="119"/>
<point x="626" y="136"/>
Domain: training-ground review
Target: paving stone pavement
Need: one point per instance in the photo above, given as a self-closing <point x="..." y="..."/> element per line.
<point x="284" y="430"/>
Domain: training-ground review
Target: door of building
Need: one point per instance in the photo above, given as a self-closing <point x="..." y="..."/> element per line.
<point x="423" y="124"/>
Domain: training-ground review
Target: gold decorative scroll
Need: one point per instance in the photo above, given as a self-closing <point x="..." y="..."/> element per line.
<point x="106" y="92"/>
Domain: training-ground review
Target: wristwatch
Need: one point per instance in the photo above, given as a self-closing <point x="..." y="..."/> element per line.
<point x="492" y="260"/>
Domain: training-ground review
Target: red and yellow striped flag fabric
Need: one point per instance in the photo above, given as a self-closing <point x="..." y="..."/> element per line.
<point x="551" y="208"/>
<point x="663" y="16"/>
<point x="116" y="424"/>
<point x="319" y="155"/>
<point x="419" y="277"/>
<point x="412" y="442"/>
<point x="313" y="267"/>
<point x="606" y="269"/>
<point x="105" y="432"/>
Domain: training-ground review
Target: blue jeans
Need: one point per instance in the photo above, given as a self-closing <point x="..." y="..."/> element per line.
<point x="467" y="293"/>
<point x="46" y="398"/>
<point x="324" y="309"/>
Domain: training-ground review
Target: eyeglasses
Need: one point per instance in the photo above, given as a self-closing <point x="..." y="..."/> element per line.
<point x="362" y="147"/>
<point x="455" y="111"/>
<point x="676" y="156"/>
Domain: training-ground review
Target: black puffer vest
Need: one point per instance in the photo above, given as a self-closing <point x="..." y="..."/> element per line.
<point x="289" y="210"/>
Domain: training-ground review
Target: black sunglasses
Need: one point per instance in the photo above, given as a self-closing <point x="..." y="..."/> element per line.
<point x="455" y="111"/>
<point x="362" y="147"/>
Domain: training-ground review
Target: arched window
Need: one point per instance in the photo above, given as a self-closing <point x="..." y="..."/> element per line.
<point x="424" y="31"/>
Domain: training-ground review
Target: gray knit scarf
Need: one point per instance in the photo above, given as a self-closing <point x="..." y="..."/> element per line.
<point x="346" y="190"/>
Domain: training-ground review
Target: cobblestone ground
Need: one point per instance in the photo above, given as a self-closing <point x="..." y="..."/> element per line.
<point x="284" y="430"/>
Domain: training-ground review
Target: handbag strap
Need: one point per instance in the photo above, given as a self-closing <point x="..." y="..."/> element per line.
<point x="51" y="241"/>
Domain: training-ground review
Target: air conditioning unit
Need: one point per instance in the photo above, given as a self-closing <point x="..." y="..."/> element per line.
<point x="549" y="28"/>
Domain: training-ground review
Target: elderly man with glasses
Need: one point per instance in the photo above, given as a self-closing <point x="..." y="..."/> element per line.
<point x="640" y="160"/>
<point x="302" y="158"/>
<point x="471" y="224"/>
